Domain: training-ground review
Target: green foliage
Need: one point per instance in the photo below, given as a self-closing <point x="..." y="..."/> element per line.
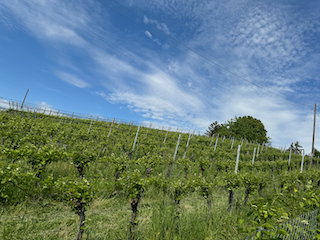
<point x="202" y="185"/>
<point x="40" y="159"/>
<point x="180" y="189"/>
<point x="264" y="213"/>
<point x="295" y="147"/>
<point x="15" y="184"/>
<point x="316" y="153"/>
<point x="214" y="128"/>
<point x="132" y="184"/>
<point x="245" y="127"/>
<point x="149" y="162"/>
<point x="249" y="181"/>
<point x="118" y="163"/>
<point x="232" y="181"/>
<point x="76" y="192"/>
<point x="81" y="156"/>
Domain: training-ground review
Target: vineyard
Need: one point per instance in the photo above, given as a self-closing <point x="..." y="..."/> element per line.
<point x="70" y="178"/>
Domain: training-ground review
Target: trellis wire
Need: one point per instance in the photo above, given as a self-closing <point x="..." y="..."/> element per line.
<point x="14" y="105"/>
<point x="185" y="152"/>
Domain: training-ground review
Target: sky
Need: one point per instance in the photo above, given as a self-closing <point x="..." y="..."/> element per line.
<point x="168" y="62"/>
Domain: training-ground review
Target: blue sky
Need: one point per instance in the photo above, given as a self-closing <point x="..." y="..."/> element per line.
<point x="169" y="62"/>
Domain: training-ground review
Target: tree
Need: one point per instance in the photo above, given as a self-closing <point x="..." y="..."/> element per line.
<point x="250" y="128"/>
<point x="296" y="147"/>
<point x="213" y="128"/>
<point x="316" y="153"/>
<point x="245" y="127"/>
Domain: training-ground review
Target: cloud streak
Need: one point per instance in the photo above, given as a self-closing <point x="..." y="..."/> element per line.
<point x="72" y="80"/>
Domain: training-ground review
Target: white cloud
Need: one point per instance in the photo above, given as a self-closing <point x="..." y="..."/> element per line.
<point x="148" y="34"/>
<point x="160" y="98"/>
<point x="73" y="80"/>
<point x="44" y="105"/>
<point x="4" y="103"/>
<point x="250" y="38"/>
<point x="145" y="20"/>
<point x="50" y="20"/>
<point x="46" y="108"/>
<point x="284" y="123"/>
<point x="161" y="26"/>
<point x="155" y="40"/>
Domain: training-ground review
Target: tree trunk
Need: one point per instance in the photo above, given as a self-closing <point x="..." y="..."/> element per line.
<point x="260" y="191"/>
<point x="80" y="171"/>
<point x="81" y="223"/>
<point x="129" y="155"/>
<point x="134" y="208"/>
<point x="247" y="196"/>
<point x="149" y="170"/>
<point x="231" y="193"/>
<point x="117" y="175"/>
<point x="178" y="209"/>
<point x="209" y="203"/>
<point x="202" y="171"/>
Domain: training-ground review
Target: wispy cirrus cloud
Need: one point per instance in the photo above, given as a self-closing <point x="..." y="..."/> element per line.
<point x="42" y="19"/>
<point x="159" y="98"/>
<point x="72" y="80"/>
<point x="268" y="45"/>
<point x="161" y="26"/>
<point x="153" y="39"/>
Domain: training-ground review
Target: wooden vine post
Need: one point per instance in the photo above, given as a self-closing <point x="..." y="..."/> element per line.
<point x="215" y="146"/>
<point x="148" y="129"/>
<point x="175" y="154"/>
<point x="90" y="126"/>
<point x="185" y="152"/>
<point x="302" y="161"/>
<point x="254" y="154"/>
<point x="135" y="139"/>
<point x="258" y="150"/>
<point x="111" y="128"/>
<point x="164" y="141"/>
<point x="232" y="142"/>
<point x="237" y="161"/>
<point x="71" y="118"/>
<point x="211" y="140"/>
<point x="290" y="156"/>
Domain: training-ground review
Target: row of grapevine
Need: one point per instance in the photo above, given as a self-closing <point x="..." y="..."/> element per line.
<point x="132" y="163"/>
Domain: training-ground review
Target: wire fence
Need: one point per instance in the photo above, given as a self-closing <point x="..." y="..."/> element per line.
<point x="303" y="227"/>
<point x="6" y="104"/>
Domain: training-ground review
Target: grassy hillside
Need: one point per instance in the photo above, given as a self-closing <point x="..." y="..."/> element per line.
<point x="54" y="174"/>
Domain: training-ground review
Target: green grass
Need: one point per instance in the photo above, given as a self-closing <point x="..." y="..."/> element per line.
<point x="109" y="219"/>
<point x="42" y="217"/>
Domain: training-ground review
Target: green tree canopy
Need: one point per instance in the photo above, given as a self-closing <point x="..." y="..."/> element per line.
<point x="316" y="153"/>
<point x="245" y="127"/>
<point x="296" y="148"/>
<point x="213" y="129"/>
